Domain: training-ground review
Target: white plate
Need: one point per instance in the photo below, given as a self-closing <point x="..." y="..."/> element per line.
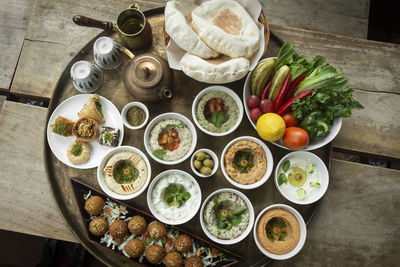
<point x="69" y="109"/>
<point x="337" y="124"/>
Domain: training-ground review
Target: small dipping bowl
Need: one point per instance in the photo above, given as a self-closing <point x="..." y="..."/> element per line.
<point x="213" y="157"/>
<point x="124" y="114"/>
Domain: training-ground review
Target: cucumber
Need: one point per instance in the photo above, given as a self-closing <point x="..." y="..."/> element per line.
<point x="315" y="184"/>
<point x="310" y="167"/>
<point x="277" y="82"/>
<point x="301" y="193"/>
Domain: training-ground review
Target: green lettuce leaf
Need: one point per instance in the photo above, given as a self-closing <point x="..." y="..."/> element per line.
<point x="285" y="56"/>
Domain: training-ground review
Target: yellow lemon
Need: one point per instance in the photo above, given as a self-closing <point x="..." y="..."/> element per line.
<point x="271" y="127"/>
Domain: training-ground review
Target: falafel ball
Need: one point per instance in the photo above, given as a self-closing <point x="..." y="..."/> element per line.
<point x="154" y="253"/>
<point x="137" y="225"/>
<point x="173" y="259"/>
<point x="134" y="248"/>
<point x="183" y="243"/>
<point x="194" y="261"/>
<point x="157" y="230"/>
<point x="94" y="205"/>
<point x="118" y="230"/>
<point x="98" y="226"/>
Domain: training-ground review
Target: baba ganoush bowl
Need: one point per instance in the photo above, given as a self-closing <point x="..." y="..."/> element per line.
<point x="306" y="179"/>
<point x="165" y="192"/>
<point x="230" y="204"/>
<point x="213" y="157"/>
<point x="290" y="237"/>
<point x="232" y="116"/>
<point x="124" y="172"/>
<point x="170" y="138"/>
<point x="249" y="150"/>
<point x="314" y="144"/>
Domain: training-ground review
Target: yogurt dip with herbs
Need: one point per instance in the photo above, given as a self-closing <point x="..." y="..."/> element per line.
<point x="299" y="178"/>
<point x="226" y="215"/>
<point x="175" y="196"/>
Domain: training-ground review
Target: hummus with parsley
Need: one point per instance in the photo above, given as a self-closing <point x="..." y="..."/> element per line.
<point x="278" y="231"/>
<point x="125" y="172"/>
<point x="245" y="162"/>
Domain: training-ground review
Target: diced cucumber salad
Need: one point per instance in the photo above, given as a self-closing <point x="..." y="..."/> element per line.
<point x="299" y="178"/>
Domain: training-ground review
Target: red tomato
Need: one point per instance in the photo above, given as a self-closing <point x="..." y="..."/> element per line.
<point x="296" y="138"/>
<point x="290" y="120"/>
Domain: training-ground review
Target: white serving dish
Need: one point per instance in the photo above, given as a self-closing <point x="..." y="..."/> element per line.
<point x="244" y="234"/>
<point x="125" y="111"/>
<point x="303" y="233"/>
<point x="100" y="175"/>
<point x="268" y="154"/>
<point x="214" y="158"/>
<point x="226" y="90"/>
<point x="319" y="165"/>
<point x="314" y="144"/>
<point x="69" y="109"/>
<point x="159" y="216"/>
<point x="165" y="116"/>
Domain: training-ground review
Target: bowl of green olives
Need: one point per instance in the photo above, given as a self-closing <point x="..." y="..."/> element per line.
<point x="204" y="162"/>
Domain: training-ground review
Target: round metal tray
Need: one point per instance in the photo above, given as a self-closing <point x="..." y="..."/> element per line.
<point x="186" y="89"/>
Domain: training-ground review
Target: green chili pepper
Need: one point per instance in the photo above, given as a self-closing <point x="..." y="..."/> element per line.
<point x="316" y="124"/>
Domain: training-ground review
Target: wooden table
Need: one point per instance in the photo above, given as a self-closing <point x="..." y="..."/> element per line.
<point x="358" y="222"/>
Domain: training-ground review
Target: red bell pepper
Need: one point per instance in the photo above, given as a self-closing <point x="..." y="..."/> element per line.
<point x="286" y="107"/>
<point x="282" y="92"/>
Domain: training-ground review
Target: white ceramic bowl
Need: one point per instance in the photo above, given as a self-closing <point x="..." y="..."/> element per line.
<point x="100" y="175"/>
<point x="244" y="234"/>
<point x="303" y="233"/>
<point x="159" y="216"/>
<point x="125" y="112"/>
<point x="319" y="166"/>
<point x="214" y="158"/>
<point x="337" y="124"/>
<point x="268" y="154"/>
<point x="226" y="90"/>
<point x="165" y="116"/>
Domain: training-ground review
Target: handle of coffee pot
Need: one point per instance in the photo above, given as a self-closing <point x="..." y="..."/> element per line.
<point x="127" y="52"/>
<point x="88" y="22"/>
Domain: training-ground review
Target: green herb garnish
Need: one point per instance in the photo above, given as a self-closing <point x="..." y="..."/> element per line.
<point x="227" y="216"/>
<point x="61" y="128"/>
<point x="217" y="118"/>
<point x="286" y="165"/>
<point x="282" y="179"/>
<point x="125" y="172"/>
<point x="98" y="105"/>
<point x="159" y="153"/>
<point x="174" y="126"/>
<point x="77" y="149"/>
<point x="276" y="229"/>
<point x="175" y="195"/>
<point x="243" y="161"/>
<point x="108" y="137"/>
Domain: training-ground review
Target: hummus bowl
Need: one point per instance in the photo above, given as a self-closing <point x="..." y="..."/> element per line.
<point x="174" y="197"/>
<point x="170" y="138"/>
<point x="233" y="114"/>
<point x="314" y="144"/>
<point x="237" y="211"/>
<point x="124" y="173"/>
<point x="304" y="179"/>
<point x="261" y="158"/>
<point x="214" y="158"/>
<point x="290" y="237"/>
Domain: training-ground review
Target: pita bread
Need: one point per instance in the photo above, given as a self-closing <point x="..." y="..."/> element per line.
<point x="177" y="25"/>
<point x="219" y="70"/>
<point x="226" y="27"/>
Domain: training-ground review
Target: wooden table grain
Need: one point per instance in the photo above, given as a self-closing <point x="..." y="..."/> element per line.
<point x="357" y="223"/>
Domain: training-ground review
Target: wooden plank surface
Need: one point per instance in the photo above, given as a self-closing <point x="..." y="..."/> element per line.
<point x="14" y="19"/>
<point x="2" y="100"/>
<point x="348" y="18"/>
<point x="358" y="222"/>
<point x="27" y="205"/>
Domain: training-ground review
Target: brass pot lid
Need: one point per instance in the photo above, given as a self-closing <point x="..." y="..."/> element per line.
<point x="146" y="71"/>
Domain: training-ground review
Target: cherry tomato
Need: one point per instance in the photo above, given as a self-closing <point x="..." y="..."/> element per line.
<point x="296" y="138"/>
<point x="290" y="120"/>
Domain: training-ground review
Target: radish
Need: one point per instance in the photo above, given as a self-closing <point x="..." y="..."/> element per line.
<point x="255" y="113"/>
<point x="267" y="106"/>
<point x="253" y="101"/>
